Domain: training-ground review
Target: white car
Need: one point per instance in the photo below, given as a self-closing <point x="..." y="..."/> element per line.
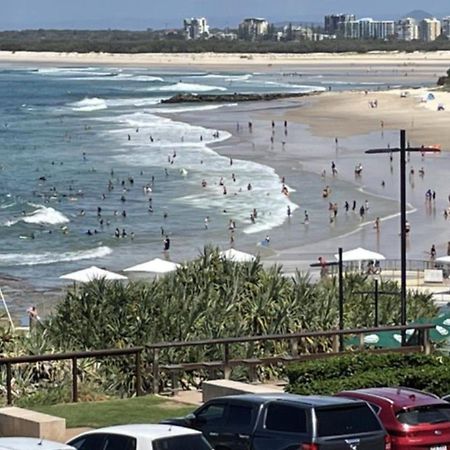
<point x="141" y="437"/>
<point x="27" y="443"/>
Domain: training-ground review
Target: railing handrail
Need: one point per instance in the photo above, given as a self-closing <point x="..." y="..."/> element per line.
<point x="268" y="337"/>
<point x="71" y="355"/>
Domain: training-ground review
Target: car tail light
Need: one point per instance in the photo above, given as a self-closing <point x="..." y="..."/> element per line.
<point x="387" y="442"/>
<point x="309" y="447"/>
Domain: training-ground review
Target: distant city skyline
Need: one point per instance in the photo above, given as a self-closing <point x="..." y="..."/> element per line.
<point x="143" y="14"/>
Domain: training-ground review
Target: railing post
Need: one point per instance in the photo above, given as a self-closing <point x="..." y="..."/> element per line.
<point x="361" y="341"/>
<point x="426" y="341"/>
<point x="138" y="373"/>
<point x="8" y="384"/>
<point x="294" y="347"/>
<point x="226" y="359"/>
<point x="336" y="343"/>
<point x="74" y="380"/>
<point x="155" y="370"/>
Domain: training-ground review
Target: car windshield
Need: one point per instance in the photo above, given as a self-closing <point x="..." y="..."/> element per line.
<point x="424" y="414"/>
<point x="192" y="442"/>
<point x="340" y="421"/>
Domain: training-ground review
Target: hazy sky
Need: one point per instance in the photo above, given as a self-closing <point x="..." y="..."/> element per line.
<point x="142" y="14"/>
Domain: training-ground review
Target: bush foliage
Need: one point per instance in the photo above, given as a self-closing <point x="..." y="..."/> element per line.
<point x="418" y="371"/>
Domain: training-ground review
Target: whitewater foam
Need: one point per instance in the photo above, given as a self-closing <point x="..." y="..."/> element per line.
<point x="41" y="216"/>
<point x="188" y="87"/>
<point x="33" y="259"/>
<point x="89" y="104"/>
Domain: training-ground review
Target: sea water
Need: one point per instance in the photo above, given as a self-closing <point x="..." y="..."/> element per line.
<point x="88" y="151"/>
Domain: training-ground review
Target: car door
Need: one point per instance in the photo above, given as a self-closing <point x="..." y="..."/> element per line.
<point x="210" y="420"/>
<point x="239" y="424"/>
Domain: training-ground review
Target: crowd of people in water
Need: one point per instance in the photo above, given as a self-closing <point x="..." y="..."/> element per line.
<point x="122" y="188"/>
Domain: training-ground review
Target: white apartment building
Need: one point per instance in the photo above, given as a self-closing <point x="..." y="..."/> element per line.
<point x="196" y="27"/>
<point x="253" y="28"/>
<point x="429" y="29"/>
<point x="368" y="28"/>
<point x="407" y="29"/>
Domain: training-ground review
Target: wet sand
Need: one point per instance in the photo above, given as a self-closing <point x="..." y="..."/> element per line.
<point x="313" y="125"/>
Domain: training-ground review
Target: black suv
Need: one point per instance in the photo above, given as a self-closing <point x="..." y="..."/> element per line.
<point x="287" y="422"/>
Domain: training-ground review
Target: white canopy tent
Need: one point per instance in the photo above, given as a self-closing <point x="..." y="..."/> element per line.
<point x="157" y="265"/>
<point x="92" y="273"/>
<point x="237" y="256"/>
<point x="443" y="259"/>
<point x="360" y="254"/>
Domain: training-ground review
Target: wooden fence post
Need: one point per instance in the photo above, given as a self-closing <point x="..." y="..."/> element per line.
<point x="138" y="373"/>
<point x="226" y="359"/>
<point x="8" y="384"/>
<point x="155" y="370"/>
<point x="74" y="380"/>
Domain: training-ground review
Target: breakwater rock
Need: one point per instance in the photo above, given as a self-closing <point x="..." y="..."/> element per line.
<point x="225" y="98"/>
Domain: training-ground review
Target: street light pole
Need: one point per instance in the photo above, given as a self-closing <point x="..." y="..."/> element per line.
<point x="403" y="232"/>
<point x="341" y="301"/>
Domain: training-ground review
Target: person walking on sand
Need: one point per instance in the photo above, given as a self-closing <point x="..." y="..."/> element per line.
<point x="433" y="252"/>
<point x="376" y="224"/>
<point x="333" y="168"/>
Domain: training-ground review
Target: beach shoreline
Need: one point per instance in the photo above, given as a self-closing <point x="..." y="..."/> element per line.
<point x="228" y="60"/>
<point x="362" y="123"/>
<point x="313" y="125"/>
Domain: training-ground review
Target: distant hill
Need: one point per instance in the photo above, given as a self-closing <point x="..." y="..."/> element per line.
<point x="419" y="14"/>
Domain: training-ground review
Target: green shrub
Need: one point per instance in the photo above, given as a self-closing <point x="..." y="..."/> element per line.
<point x="428" y="373"/>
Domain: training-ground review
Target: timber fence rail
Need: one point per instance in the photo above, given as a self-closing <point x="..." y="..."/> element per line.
<point x="73" y="357"/>
<point x="421" y="344"/>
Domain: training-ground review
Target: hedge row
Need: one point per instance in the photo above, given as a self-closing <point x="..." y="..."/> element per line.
<point x="428" y="373"/>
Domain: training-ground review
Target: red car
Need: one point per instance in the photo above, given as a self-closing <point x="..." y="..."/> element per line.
<point x="415" y="420"/>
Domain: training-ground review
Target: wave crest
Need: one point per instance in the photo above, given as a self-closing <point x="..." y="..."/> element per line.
<point x="33" y="259"/>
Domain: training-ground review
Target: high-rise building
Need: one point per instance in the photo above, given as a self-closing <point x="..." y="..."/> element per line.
<point x="368" y="28"/>
<point x="429" y="29"/>
<point x="446" y="27"/>
<point x="253" y="28"/>
<point x="407" y="29"/>
<point x="196" y="27"/>
<point x="334" y="22"/>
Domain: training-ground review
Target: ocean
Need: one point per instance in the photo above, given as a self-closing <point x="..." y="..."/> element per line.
<point x="89" y="152"/>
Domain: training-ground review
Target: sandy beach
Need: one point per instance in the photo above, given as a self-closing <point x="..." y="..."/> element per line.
<point x="406" y="61"/>
<point x="308" y="149"/>
<point x="348" y="113"/>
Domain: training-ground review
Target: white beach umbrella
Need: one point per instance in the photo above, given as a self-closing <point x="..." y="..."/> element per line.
<point x="156" y="265"/>
<point x="360" y="254"/>
<point x="92" y="273"/>
<point x="443" y="259"/>
<point x="237" y="256"/>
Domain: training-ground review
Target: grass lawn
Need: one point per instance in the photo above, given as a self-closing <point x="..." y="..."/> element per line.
<point x="148" y="409"/>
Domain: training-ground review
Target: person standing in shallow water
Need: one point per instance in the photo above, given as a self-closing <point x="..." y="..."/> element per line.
<point x="166" y="244"/>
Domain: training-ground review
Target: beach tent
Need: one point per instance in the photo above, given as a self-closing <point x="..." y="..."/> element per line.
<point x="360" y="254"/>
<point x="429" y="96"/>
<point x="443" y="259"/>
<point x="237" y="256"/>
<point x="156" y="265"/>
<point x="92" y="273"/>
